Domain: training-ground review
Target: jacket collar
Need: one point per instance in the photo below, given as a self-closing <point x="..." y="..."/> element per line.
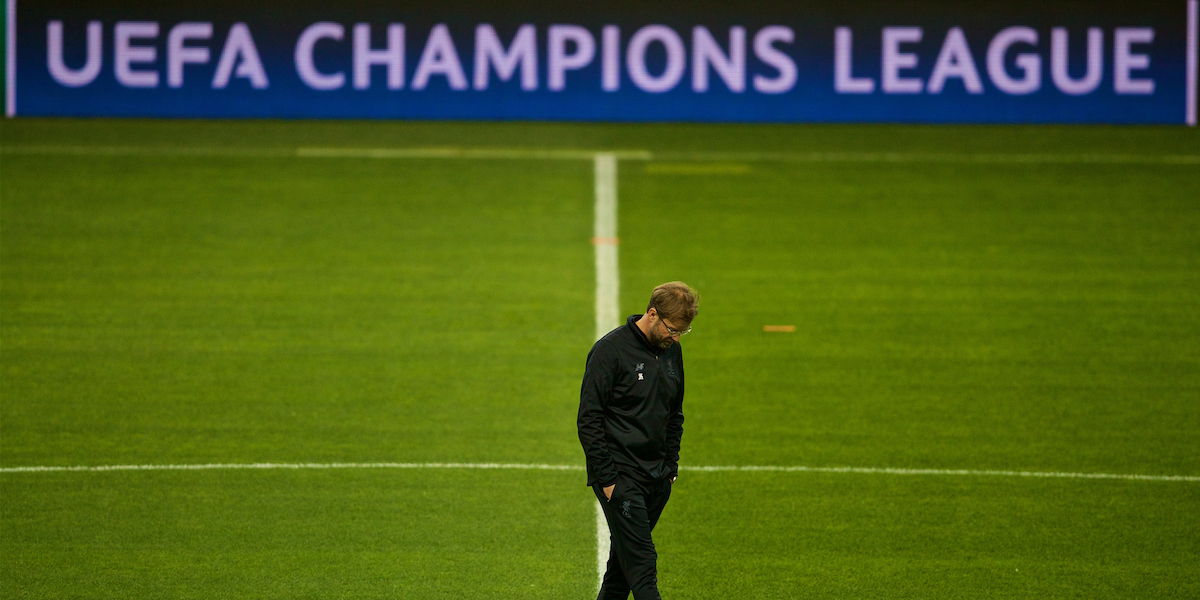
<point x="631" y="323"/>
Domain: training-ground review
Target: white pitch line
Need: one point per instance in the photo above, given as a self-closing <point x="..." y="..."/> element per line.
<point x="148" y="151"/>
<point x="371" y="153"/>
<point x="607" y="294"/>
<point x="605" y="241"/>
<point x="550" y="467"/>
<point x="603" y="543"/>
<point x="476" y="153"/>
<point x="294" y="466"/>
<point x="894" y="471"/>
<point x="931" y="157"/>
<point x="568" y="154"/>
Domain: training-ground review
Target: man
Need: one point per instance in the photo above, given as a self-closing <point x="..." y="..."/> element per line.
<point x="630" y="424"/>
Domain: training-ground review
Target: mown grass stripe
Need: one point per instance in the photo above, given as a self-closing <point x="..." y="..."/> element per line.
<point x="550" y="467"/>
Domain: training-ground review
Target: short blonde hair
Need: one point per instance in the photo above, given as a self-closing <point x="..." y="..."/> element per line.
<point x="675" y="300"/>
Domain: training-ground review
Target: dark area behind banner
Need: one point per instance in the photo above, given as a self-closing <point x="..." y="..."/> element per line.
<point x="1023" y="62"/>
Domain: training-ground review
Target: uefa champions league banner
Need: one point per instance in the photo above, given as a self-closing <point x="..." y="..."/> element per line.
<point x="1061" y="62"/>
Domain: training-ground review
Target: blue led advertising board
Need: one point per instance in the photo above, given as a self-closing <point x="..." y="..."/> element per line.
<point x="1024" y="62"/>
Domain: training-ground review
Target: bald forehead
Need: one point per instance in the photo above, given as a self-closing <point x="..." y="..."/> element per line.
<point x="676" y="324"/>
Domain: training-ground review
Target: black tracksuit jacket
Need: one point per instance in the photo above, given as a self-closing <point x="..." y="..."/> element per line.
<point x="631" y="408"/>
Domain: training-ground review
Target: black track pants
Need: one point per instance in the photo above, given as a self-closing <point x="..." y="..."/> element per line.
<point x="631" y="514"/>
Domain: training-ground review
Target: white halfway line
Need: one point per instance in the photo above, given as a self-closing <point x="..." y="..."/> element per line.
<point x="605" y="241"/>
<point x="608" y="318"/>
<point x="550" y="467"/>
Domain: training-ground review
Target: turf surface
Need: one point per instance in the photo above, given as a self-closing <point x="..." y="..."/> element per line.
<point x="248" y="307"/>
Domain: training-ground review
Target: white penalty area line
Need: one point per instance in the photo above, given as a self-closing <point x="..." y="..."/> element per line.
<point x="583" y="154"/>
<point x="551" y="467"/>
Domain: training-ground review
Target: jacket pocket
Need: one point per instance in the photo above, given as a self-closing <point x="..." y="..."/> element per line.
<point x="616" y="486"/>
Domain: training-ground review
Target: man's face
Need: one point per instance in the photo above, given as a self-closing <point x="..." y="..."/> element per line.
<point x="660" y="331"/>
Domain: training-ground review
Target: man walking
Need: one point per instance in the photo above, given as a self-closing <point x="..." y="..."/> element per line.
<point x="630" y="424"/>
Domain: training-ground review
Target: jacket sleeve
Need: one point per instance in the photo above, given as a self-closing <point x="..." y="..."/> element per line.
<point x="675" y="428"/>
<point x="598" y="378"/>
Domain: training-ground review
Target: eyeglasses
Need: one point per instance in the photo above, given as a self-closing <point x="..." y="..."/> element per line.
<point x="672" y="331"/>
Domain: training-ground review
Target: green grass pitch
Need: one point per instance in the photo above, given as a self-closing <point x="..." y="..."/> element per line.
<point x="212" y="298"/>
